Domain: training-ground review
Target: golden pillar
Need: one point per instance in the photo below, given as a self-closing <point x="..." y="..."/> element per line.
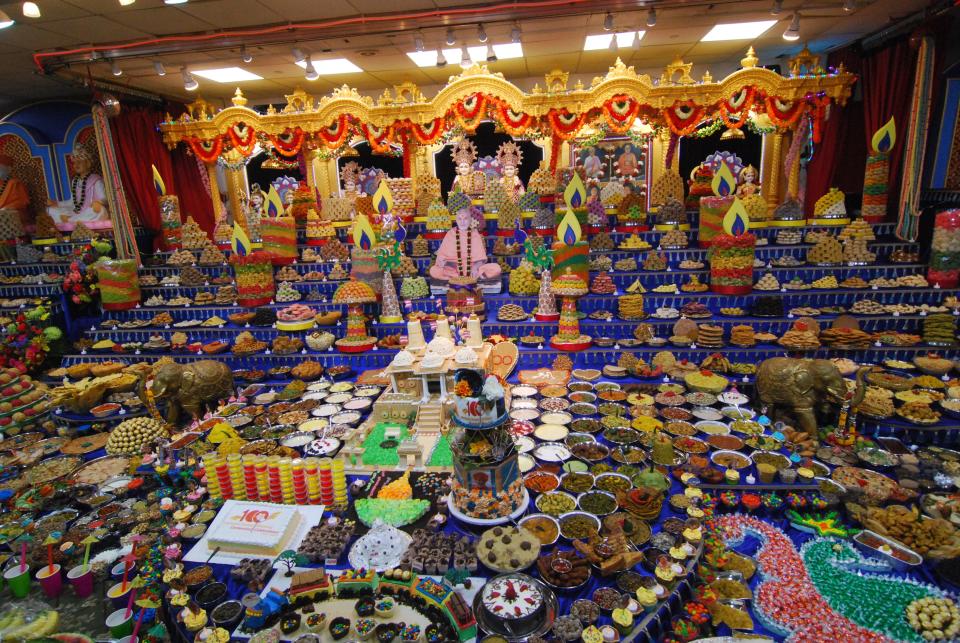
<point x="218" y="212"/>
<point x="793" y="181"/>
<point x="771" y="168"/>
<point x="235" y="174"/>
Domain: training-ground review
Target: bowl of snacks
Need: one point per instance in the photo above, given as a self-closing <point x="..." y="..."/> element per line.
<point x="579" y="525"/>
<point x="730" y="459"/>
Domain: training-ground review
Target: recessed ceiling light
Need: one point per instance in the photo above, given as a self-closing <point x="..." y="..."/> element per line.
<point x="332" y="66"/>
<point x="226" y="74"/>
<point x="600" y="41"/>
<point x="5" y="20"/>
<point x="175" y="1"/>
<point x="738" y="30"/>
<point x="453" y="55"/>
<point x="126" y="3"/>
<point x="31" y="10"/>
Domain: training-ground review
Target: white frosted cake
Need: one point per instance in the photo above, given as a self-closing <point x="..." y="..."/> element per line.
<point x="252" y="528"/>
<point x="512" y="597"/>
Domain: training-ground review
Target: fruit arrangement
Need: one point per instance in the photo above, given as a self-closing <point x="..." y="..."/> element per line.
<point x="286" y="293"/>
<point x="129" y="437"/>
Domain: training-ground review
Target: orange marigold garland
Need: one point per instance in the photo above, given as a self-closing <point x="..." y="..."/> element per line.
<point x="379" y="138"/>
<point x="243" y="137"/>
<point x="207" y="151"/>
<point x="334" y="135"/>
<point x="683" y="117"/>
<point x="564" y="124"/>
<point x="427" y="133"/>
<point x="783" y="113"/>
<point x="513" y="123"/>
<point x="470" y="111"/>
<point x="620" y="112"/>
<point x="288" y="144"/>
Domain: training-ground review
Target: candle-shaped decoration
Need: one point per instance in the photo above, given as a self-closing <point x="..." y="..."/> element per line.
<point x="158" y="183"/>
<point x="274" y="204"/>
<point x="240" y="242"/>
<point x="576" y="193"/>
<point x="874" y="206"/>
<point x="731" y="253"/>
<point x="736" y="221"/>
<point x="569" y="229"/>
<point x="363" y="234"/>
<point x="383" y="199"/>
<point x="724" y="183"/>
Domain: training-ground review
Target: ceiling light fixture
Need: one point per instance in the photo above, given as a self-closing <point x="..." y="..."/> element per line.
<point x="159" y="68"/>
<point x="776" y="8"/>
<point x="515" y="33"/>
<point x="637" y="37"/>
<point x="465" y="61"/>
<point x="481" y="33"/>
<point x="227" y="74"/>
<point x="5" y="20"/>
<point x="126" y="3"/>
<point x="608" y="22"/>
<point x="175" y="1"/>
<point x="491" y="54"/>
<point x="441" y="59"/>
<point x="31" y="10"/>
<point x="330" y="66"/>
<point x="453" y="55"/>
<point x="652" y="17"/>
<point x="738" y="30"/>
<point x="311" y="72"/>
<point x="298" y="55"/>
<point x="245" y="55"/>
<point x="451" y="37"/>
<point x="793" y="31"/>
<point x="849" y="6"/>
<point x="624" y="39"/>
<point x="614" y="45"/>
<point x="418" y="41"/>
<point x="115" y="68"/>
<point x="189" y="82"/>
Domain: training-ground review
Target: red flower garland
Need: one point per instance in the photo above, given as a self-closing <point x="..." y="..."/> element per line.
<point x="783" y="114"/>
<point x="336" y="133"/>
<point x="564" y="124"/>
<point x="470" y="111"/>
<point x="289" y="143"/>
<point x="378" y="138"/>
<point x="683" y="117"/>
<point x="738" y="104"/>
<point x="207" y="151"/>
<point x="428" y="133"/>
<point x="243" y="137"/>
<point x="620" y="111"/>
<point x="513" y="123"/>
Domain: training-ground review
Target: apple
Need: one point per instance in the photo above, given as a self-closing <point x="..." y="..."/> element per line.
<point x="30" y="412"/>
<point x="5" y="421"/>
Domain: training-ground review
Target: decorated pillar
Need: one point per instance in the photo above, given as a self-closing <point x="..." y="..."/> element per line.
<point x="771" y="169"/>
<point x="124" y="240"/>
<point x="218" y="212"/>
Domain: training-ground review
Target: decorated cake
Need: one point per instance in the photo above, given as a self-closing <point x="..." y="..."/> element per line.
<point x="514" y="598"/>
<point x="252" y="528"/>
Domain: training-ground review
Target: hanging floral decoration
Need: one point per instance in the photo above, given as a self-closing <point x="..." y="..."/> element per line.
<point x="379" y="138"/>
<point x="620" y="112"/>
<point x="736" y="105"/>
<point x="564" y="124"/>
<point x="783" y="113"/>
<point x="513" y="123"/>
<point x="683" y="117"/>
<point x="427" y="133"/>
<point x="289" y="143"/>
<point x="243" y="137"/>
<point x="335" y="134"/>
<point x="820" y="106"/>
<point x="470" y="111"/>
<point x="207" y="151"/>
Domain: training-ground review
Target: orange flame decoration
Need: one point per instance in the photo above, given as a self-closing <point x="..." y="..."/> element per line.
<point x="723" y="183"/>
<point x="884" y="138"/>
<point x="569" y="228"/>
<point x="363" y="234"/>
<point x="736" y="221"/>
<point x="383" y="199"/>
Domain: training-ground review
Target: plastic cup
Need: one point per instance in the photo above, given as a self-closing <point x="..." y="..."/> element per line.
<point x="82" y="580"/>
<point x="119" y="623"/>
<point x="117" y="570"/>
<point x="766" y="472"/>
<point x="116" y="594"/>
<point x="18" y="581"/>
<point x="51" y="582"/>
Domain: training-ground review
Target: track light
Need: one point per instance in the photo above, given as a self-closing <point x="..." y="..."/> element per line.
<point x="793" y="31"/>
<point x="159" y="68"/>
<point x="614" y="45"/>
<point x="189" y="82"/>
<point x="636" y="40"/>
<point x="126" y="3"/>
<point x="441" y="59"/>
<point x="245" y="55"/>
<point x="310" y="70"/>
<point x="608" y="22"/>
<point x="451" y="37"/>
<point x="31" y="10"/>
<point x="776" y="8"/>
<point x="115" y="68"/>
<point x="515" y="33"/>
<point x="5" y="20"/>
<point x="418" y="41"/>
<point x="652" y="17"/>
<point x="849" y="6"/>
<point x="465" y="61"/>
<point x="481" y="33"/>
<point x="491" y="54"/>
<point x="298" y="55"/>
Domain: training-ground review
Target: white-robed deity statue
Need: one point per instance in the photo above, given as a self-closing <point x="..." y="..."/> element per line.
<point x="88" y="197"/>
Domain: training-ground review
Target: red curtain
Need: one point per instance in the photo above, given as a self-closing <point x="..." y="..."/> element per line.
<point x="139" y="146"/>
<point x="836" y="137"/>
<point x="887" y="89"/>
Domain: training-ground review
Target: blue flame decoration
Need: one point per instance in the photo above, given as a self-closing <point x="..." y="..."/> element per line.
<point x="738" y="227"/>
<point x="382" y="206"/>
<point x="519" y="235"/>
<point x="400" y="233"/>
<point x="884" y="144"/>
<point x="569" y="235"/>
<point x="575" y="199"/>
<point x="365" y="241"/>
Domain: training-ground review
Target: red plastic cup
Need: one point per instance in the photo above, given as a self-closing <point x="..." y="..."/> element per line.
<point x="50" y="582"/>
<point x="82" y="580"/>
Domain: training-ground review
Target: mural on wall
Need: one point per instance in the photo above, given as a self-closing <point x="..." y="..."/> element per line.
<point x="619" y="159"/>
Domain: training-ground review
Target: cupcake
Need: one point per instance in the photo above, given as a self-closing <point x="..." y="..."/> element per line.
<point x="732" y="476"/>
<point x="646" y="598"/>
<point x="622" y="620"/>
<point x="194" y="618"/>
<point x="592" y="634"/>
<point x="609" y="634"/>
